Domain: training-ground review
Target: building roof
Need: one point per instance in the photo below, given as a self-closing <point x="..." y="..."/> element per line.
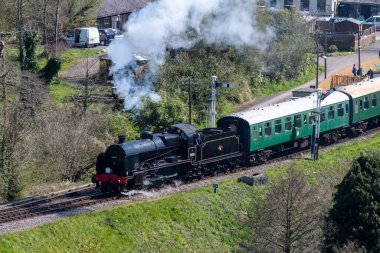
<point x="117" y="7"/>
<point x="376" y="2"/>
<point x="339" y="19"/>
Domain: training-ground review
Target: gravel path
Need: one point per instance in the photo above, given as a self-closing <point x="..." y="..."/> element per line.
<point x="168" y="190"/>
<point x="77" y="73"/>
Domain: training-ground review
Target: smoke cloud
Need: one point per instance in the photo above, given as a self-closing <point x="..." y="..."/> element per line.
<point x="176" y="24"/>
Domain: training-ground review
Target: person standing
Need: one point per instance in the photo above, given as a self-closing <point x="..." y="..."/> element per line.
<point x="354" y="70"/>
<point x="359" y="72"/>
<point x="370" y="73"/>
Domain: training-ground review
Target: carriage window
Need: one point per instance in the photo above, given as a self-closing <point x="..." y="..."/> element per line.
<point x="356" y="107"/>
<point x="311" y="118"/>
<point x="297" y="121"/>
<point x="323" y="115"/>
<point x="346" y="108"/>
<point x="254" y="133"/>
<point x="340" y="110"/>
<point x="288" y="123"/>
<point x="366" y="103"/>
<point x="268" y="128"/>
<point x="361" y="104"/>
<point x="278" y="126"/>
<point x="260" y="132"/>
<point x="374" y="101"/>
<point x="304" y="119"/>
<point x="331" y="112"/>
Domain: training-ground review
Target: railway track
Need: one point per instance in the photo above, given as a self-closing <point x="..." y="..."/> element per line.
<point x="88" y="195"/>
<point x="52" y="203"/>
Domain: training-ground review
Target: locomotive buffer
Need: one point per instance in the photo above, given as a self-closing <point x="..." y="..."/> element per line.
<point x="215" y="84"/>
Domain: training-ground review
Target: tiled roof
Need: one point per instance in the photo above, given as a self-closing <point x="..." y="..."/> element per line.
<point x="116" y="7"/>
<point x="361" y="1"/>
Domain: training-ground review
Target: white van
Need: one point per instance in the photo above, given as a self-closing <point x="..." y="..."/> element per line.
<point x="86" y="37"/>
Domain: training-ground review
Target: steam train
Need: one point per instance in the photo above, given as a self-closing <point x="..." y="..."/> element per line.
<point x="182" y="152"/>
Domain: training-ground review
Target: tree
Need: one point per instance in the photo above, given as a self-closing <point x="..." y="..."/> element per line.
<point x="355" y="214"/>
<point x="21" y="33"/>
<point x="289" y="217"/>
<point x="158" y="115"/>
<point x="31" y="39"/>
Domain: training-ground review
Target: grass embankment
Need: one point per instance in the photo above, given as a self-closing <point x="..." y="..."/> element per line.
<point x="273" y="88"/>
<point x="194" y="221"/>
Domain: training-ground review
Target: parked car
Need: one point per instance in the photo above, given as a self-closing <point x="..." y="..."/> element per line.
<point x="86" y="37"/>
<point x="105" y="37"/>
<point x="115" y="33"/>
<point x="374" y="20"/>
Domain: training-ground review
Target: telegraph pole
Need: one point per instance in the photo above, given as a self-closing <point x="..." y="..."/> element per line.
<point x="359" y="44"/>
<point x="214" y="81"/>
<point x="190" y="83"/>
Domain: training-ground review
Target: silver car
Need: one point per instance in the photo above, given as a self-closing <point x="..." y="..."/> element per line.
<point x="374" y="20"/>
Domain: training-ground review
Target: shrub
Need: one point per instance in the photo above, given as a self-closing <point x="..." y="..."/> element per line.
<point x="52" y="68"/>
<point x="333" y="49"/>
<point x="31" y="39"/>
<point x="355" y="214"/>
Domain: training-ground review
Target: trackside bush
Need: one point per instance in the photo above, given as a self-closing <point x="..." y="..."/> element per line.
<point x="52" y="68"/>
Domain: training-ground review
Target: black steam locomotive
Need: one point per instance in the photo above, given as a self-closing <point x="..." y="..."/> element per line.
<point x="180" y="153"/>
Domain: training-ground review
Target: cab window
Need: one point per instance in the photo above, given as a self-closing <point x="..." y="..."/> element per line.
<point x="356" y="107"/>
<point x="288" y="123"/>
<point x="331" y="112"/>
<point x="268" y="129"/>
<point x="374" y="101"/>
<point x="297" y="121"/>
<point x="311" y="118"/>
<point x="278" y="126"/>
<point x="323" y="115"/>
<point x="340" y="110"/>
<point x="366" y="103"/>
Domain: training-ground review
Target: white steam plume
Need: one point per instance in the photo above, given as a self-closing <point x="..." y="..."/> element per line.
<point x="175" y="24"/>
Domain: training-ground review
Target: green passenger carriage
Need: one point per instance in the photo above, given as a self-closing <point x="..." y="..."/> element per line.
<point x="275" y="128"/>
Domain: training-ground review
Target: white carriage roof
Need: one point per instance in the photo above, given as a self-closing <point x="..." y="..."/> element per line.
<point x="363" y="88"/>
<point x="291" y="107"/>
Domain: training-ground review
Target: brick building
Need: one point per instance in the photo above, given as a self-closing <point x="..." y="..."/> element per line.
<point x="315" y="7"/>
<point x="344" y="33"/>
<point x="115" y="13"/>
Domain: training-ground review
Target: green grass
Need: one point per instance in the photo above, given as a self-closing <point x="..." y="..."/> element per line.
<point x="193" y="221"/>
<point x="59" y="90"/>
<point x="341" y="53"/>
<point x="275" y="88"/>
<point x="71" y="56"/>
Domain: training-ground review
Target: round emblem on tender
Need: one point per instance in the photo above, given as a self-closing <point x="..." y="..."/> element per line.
<point x="220" y="147"/>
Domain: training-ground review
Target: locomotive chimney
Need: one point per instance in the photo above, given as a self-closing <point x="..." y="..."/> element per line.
<point x="121" y="139"/>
